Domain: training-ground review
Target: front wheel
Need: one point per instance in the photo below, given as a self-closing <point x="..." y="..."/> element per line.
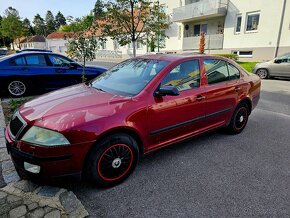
<point x="263" y="73"/>
<point x="239" y="119"/>
<point x="112" y="160"/>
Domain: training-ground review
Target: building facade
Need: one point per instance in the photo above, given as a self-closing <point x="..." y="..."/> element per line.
<point x="253" y="29"/>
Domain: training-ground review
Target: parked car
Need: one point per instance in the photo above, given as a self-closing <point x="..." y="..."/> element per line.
<point x="33" y="49"/>
<point x="3" y="52"/>
<point x="279" y="67"/>
<point x="29" y="71"/>
<point x="100" y="129"/>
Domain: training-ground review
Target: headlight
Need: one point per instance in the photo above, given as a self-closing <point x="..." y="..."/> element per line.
<point x="45" y="137"/>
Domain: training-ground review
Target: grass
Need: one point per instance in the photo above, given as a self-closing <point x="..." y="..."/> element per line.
<point x="248" y="65"/>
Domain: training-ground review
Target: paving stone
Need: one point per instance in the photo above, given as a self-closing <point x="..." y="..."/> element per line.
<point x="53" y="214"/>
<point x="32" y="206"/>
<point x="26" y="186"/>
<point x="13" y="201"/>
<point x="47" y="209"/>
<point x="3" y="196"/>
<point x="2" y="142"/>
<point x="7" y="166"/>
<point x="48" y="191"/>
<point x="37" y="213"/>
<point x="18" y="211"/>
<point x="72" y="205"/>
<point x="4" y="209"/>
<point x="4" y="155"/>
<point x="11" y="177"/>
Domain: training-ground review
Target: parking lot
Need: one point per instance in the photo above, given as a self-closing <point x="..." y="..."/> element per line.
<point x="218" y="175"/>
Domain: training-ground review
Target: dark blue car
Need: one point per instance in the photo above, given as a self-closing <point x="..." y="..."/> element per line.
<point x="26" y="72"/>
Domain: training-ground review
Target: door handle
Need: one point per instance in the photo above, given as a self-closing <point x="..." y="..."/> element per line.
<point x="200" y="97"/>
<point x="59" y="70"/>
<point x="237" y="88"/>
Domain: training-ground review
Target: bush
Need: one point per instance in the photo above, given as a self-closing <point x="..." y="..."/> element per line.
<point x="230" y="56"/>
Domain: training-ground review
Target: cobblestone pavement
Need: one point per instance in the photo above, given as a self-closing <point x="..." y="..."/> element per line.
<point x="21" y="198"/>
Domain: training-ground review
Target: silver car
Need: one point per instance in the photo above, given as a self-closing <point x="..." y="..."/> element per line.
<point x="279" y="67"/>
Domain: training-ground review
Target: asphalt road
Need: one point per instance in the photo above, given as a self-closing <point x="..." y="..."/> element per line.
<point x="215" y="175"/>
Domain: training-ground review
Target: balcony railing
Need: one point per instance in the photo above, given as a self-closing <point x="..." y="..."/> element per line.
<point x="211" y="42"/>
<point x="203" y="8"/>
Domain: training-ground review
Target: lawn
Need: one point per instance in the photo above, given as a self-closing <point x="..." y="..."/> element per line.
<point x="248" y="65"/>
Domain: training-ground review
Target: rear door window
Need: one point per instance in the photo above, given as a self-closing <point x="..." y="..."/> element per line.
<point x="35" y="60"/>
<point x="18" y="61"/>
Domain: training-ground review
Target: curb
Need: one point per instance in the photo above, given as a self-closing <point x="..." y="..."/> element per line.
<point x="24" y="198"/>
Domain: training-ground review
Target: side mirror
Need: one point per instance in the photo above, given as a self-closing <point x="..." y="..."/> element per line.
<point x="277" y="61"/>
<point x="166" y="90"/>
<point x="73" y="65"/>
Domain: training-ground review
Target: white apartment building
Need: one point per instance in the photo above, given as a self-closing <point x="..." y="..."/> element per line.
<point x="253" y="29"/>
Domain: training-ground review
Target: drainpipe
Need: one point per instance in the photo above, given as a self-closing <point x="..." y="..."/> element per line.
<point x="280" y="29"/>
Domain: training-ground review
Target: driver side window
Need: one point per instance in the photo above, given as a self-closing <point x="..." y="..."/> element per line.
<point x="58" y="61"/>
<point x="284" y="59"/>
<point x="184" y="76"/>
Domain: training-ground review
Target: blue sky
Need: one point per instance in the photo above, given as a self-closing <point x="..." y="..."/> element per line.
<point x="29" y="8"/>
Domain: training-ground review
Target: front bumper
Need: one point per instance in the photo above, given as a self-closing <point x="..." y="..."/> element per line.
<point x="54" y="162"/>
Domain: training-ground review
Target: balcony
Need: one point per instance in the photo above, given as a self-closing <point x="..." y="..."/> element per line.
<point x="214" y="41"/>
<point x="200" y="10"/>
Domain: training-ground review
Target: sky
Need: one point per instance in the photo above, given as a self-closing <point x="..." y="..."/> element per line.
<point x="29" y="8"/>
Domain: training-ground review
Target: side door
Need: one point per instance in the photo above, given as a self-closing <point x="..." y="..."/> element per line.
<point x="222" y="91"/>
<point x="64" y="74"/>
<point x="281" y="66"/>
<point x="174" y="117"/>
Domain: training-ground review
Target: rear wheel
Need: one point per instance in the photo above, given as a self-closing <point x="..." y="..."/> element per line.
<point x="112" y="160"/>
<point x="239" y="119"/>
<point x="17" y="88"/>
<point x="263" y="73"/>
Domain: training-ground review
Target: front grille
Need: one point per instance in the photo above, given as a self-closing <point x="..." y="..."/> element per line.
<point x="16" y="125"/>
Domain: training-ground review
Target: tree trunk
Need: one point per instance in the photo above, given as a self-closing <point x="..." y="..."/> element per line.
<point x="84" y="70"/>
<point x="134" y="48"/>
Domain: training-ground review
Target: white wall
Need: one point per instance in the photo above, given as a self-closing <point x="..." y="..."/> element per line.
<point x="57" y="45"/>
<point x="267" y="33"/>
<point x="285" y="36"/>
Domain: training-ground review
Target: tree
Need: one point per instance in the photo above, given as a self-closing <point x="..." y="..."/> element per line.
<point x="78" y="24"/>
<point x="83" y="48"/>
<point x="50" y="23"/>
<point x="27" y="28"/>
<point x="129" y="21"/>
<point x="39" y="25"/>
<point x="201" y="43"/>
<point x="11" y="25"/>
<point x="59" y="20"/>
<point x="98" y="10"/>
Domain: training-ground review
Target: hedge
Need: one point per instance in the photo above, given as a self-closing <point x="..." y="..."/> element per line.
<point x="230" y="56"/>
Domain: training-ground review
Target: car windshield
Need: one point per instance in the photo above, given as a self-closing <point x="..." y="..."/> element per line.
<point x="130" y="77"/>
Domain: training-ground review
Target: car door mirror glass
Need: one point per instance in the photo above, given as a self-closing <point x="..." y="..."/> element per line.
<point x="166" y="90"/>
<point x="73" y="65"/>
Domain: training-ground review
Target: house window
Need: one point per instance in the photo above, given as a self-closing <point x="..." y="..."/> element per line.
<point x="196" y="30"/>
<point x="252" y="21"/>
<point x="139" y="45"/>
<point x="116" y="45"/>
<point x="238" y="24"/>
<point x="179" y="32"/>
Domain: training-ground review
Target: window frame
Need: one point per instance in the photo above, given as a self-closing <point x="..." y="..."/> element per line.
<point x="247" y="18"/>
<point x="227" y="67"/>
<point x="174" y="67"/>
<point x="237" y="17"/>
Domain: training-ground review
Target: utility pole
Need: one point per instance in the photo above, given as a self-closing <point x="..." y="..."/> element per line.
<point x="280" y="28"/>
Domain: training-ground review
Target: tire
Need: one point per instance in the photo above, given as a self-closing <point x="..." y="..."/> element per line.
<point x="17" y="88"/>
<point x="263" y="73"/>
<point x="112" y="160"/>
<point x="239" y="119"/>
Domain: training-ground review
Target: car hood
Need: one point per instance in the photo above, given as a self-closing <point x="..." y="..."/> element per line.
<point x="94" y="68"/>
<point x="71" y="106"/>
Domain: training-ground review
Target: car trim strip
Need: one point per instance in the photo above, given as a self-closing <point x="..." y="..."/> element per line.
<point x="17" y="153"/>
<point x="155" y="132"/>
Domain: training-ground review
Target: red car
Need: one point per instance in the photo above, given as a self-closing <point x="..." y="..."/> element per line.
<point x="100" y="129"/>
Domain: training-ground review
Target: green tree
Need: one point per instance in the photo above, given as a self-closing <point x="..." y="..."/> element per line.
<point x="27" y="28"/>
<point x="39" y="25"/>
<point x="59" y="20"/>
<point x="83" y="48"/>
<point x="78" y="24"/>
<point x="50" y="23"/>
<point x="11" y="25"/>
<point x="129" y="21"/>
<point x="98" y="10"/>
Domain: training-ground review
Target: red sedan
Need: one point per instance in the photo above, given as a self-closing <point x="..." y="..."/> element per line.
<point x="101" y="128"/>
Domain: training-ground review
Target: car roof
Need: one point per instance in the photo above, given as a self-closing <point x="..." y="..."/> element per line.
<point x="177" y="57"/>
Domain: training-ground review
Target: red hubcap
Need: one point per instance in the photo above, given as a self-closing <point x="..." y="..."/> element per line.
<point x="115" y="162"/>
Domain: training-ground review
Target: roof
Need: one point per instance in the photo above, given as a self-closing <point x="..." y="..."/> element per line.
<point x="36" y="38"/>
<point x="59" y="35"/>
